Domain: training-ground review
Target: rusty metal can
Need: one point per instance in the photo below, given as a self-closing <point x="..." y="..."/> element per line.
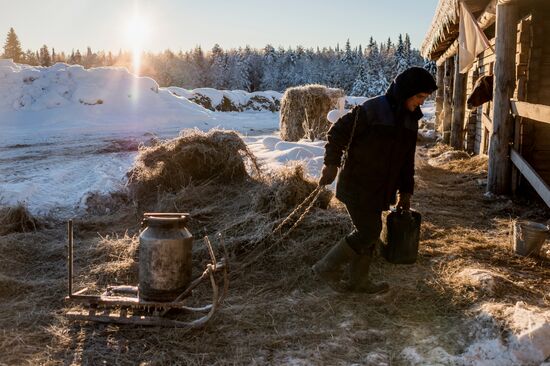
<point x="165" y="253"/>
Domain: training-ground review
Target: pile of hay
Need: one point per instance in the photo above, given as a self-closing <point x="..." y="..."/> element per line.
<point x="16" y="219"/>
<point x="194" y="156"/>
<point x="287" y="189"/>
<point x="443" y="156"/>
<point x="304" y="111"/>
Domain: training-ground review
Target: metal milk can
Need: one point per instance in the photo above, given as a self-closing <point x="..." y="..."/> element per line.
<point x="165" y="250"/>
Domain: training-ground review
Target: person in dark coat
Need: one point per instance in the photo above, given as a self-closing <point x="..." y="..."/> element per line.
<point x="377" y="169"/>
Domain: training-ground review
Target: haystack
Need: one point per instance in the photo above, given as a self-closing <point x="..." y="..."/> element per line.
<point x="304" y="111"/>
<point x="194" y="156"/>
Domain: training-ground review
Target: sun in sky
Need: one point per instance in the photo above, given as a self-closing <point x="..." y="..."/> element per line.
<point x="137" y="32"/>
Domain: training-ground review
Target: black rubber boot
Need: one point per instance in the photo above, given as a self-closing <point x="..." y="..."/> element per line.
<point x="359" y="280"/>
<point x="329" y="268"/>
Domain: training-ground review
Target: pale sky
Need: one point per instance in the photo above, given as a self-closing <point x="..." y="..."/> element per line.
<point x="183" y="24"/>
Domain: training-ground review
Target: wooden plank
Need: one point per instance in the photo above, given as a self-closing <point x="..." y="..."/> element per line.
<point x="439" y="96"/>
<point x="537" y="112"/>
<point x="531" y="175"/>
<point x="447" y="100"/>
<point x="486" y="122"/>
<point x="120" y="301"/>
<point x="459" y="107"/>
<point x="136" y="320"/>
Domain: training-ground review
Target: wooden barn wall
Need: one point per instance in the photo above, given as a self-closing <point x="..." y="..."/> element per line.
<point x="534" y="67"/>
<point x="482" y="116"/>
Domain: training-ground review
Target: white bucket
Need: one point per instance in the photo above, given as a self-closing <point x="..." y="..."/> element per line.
<point x="528" y="237"/>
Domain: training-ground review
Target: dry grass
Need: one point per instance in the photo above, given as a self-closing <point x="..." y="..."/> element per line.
<point x="276" y="313"/>
<point x="17" y="219"/>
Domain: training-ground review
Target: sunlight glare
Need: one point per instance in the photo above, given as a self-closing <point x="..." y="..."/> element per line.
<point x="137" y="32"/>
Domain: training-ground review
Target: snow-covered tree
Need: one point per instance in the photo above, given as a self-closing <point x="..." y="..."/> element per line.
<point x="271" y="72"/>
<point x="218" y="68"/>
<point x="238" y="71"/>
<point x="401" y="59"/>
<point x="361" y="84"/>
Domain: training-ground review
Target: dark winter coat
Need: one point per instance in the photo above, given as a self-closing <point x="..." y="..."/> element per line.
<point x="380" y="159"/>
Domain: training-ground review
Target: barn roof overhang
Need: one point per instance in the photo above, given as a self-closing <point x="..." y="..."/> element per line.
<point x="443" y="31"/>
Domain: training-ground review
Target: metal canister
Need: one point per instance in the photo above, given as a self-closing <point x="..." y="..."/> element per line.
<point x="165" y="251"/>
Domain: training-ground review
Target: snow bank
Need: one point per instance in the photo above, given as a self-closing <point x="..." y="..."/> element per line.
<point x="231" y="100"/>
<point x="64" y="96"/>
<point x="276" y="153"/>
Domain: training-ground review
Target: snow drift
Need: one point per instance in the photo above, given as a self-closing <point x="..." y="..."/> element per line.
<point x="74" y="97"/>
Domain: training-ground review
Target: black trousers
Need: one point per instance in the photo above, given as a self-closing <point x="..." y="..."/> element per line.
<point x="368" y="224"/>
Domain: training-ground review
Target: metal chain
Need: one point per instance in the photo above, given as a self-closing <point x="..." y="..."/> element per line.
<point x="313" y="197"/>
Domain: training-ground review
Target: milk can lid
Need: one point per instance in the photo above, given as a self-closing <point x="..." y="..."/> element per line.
<point x="164" y="219"/>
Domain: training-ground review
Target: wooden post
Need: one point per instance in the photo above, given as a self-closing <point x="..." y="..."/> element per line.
<point x="459" y="107"/>
<point x="499" y="174"/>
<point x="472" y="116"/>
<point x="439" y="96"/>
<point x="447" y="100"/>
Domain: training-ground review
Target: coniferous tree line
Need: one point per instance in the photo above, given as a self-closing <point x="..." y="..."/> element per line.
<point x="360" y="71"/>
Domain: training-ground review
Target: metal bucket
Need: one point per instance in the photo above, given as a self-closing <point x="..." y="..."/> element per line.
<point x="165" y="247"/>
<point x="528" y="237"/>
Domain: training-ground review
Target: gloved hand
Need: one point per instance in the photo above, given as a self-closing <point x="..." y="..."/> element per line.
<point x="328" y="174"/>
<point x="403" y="202"/>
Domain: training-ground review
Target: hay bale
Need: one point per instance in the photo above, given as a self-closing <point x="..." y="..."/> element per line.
<point x="202" y="100"/>
<point x="218" y="156"/>
<point x="16" y="219"/>
<point x="286" y="190"/>
<point x="304" y="111"/>
<point x="227" y="105"/>
<point x="261" y="103"/>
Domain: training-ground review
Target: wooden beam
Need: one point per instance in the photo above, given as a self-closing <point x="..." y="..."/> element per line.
<point x="447" y="101"/>
<point x="537" y="112"/>
<point x="450" y="52"/>
<point x="531" y="175"/>
<point x="439" y="96"/>
<point x="499" y="174"/>
<point x="459" y="107"/>
<point x="486" y="122"/>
